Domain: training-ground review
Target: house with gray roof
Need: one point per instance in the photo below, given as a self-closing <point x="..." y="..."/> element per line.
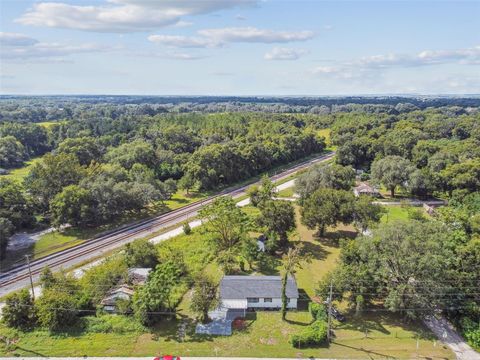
<point x="256" y="292"/>
<point x="240" y="293"/>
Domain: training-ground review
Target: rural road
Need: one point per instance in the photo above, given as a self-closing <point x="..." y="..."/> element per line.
<point x="96" y="247"/>
<point x="448" y="335"/>
<point x="151" y="357"/>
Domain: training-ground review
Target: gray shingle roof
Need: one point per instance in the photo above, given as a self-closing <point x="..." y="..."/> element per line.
<point x="241" y="287"/>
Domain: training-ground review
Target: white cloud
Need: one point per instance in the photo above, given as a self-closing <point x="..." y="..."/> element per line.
<point x="367" y="65"/>
<point x="15" y="39"/>
<point x="423" y="58"/>
<point x="183" y="23"/>
<point x="182" y="41"/>
<point x="240" y="17"/>
<point x="121" y="15"/>
<point x="278" y="53"/>
<point x="21" y="47"/>
<point x="254" y="35"/>
<point x="209" y="38"/>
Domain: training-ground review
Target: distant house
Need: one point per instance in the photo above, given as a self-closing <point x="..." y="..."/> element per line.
<point x="365" y="189"/>
<point x="240" y="293"/>
<point x="138" y="276"/>
<point x="122" y="292"/>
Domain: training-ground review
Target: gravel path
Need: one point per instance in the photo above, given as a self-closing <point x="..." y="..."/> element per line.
<point x="447" y="334"/>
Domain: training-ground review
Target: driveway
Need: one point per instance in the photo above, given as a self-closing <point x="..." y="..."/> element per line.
<point x="446" y="333"/>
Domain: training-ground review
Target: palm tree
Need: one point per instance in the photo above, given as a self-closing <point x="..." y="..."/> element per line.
<point x="291" y="261"/>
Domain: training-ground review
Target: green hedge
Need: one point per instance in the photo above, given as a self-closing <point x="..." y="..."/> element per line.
<point x="315" y="334"/>
<point x="318" y="311"/>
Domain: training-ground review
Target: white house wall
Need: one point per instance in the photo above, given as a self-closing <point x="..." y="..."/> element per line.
<point x="243" y="304"/>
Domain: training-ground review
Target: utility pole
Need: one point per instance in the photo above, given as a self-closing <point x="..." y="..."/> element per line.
<point x="330" y="312"/>
<point x="30" y="273"/>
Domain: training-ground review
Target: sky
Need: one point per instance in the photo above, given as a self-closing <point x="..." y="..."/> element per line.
<point x="239" y="47"/>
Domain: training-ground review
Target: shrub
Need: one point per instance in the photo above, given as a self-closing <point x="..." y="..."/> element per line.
<point x="317" y="311"/>
<point x="117" y="324"/>
<point x="56" y="310"/>
<point x="18" y="311"/>
<point x="313" y="335"/>
<point x="187" y="229"/>
<point x="471" y="331"/>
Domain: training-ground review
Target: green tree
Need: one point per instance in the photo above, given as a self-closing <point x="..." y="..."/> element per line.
<point x="19" y="311"/>
<point x="12" y="152"/>
<point x="250" y="251"/>
<point x="73" y="205"/>
<point x="49" y="176"/>
<point x="259" y="195"/>
<point x="6" y="230"/>
<point x="128" y="154"/>
<point x="15" y="204"/>
<point x="141" y="253"/>
<point x="226" y="221"/>
<point x="420" y="183"/>
<point x="204" y="297"/>
<point x="56" y="309"/>
<point x="291" y="261"/>
<point x="332" y="176"/>
<point x="366" y="213"/>
<point x="278" y="217"/>
<point x="154" y="300"/>
<point x="85" y="148"/>
<point x="391" y="171"/>
<point x="327" y="207"/>
<point x="399" y="261"/>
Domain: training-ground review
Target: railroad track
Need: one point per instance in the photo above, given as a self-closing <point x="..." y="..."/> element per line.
<point x="119" y="236"/>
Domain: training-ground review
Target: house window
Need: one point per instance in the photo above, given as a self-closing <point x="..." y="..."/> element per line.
<point x="253" y="300"/>
<point x="267" y="300"/>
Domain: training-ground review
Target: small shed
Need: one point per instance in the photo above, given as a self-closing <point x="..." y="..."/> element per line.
<point x="366" y="189"/>
<point x="109" y="302"/>
<point x="138" y="276"/>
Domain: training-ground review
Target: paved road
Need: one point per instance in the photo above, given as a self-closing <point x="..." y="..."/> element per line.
<point x="94" y="248"/>
<point x="446" y="333"/>
<point x="412" y="202"/>
<point x="151" y="357"/>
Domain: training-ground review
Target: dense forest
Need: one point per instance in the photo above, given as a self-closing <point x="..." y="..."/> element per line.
<point x="94" y="170"/>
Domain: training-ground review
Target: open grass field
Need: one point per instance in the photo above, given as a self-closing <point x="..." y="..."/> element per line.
<point x="371" y="335"/>
<point x="20" y="173"/>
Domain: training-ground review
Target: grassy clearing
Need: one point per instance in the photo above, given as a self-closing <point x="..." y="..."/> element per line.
<point x="288" y="192"/>
<point x="20" y="173"/>
<point x="49" y="124"/>
<point x="398" y="213"/>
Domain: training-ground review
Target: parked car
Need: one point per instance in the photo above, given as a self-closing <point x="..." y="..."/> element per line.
<point x="337" y="315"/>
<point x="167" y="357"/>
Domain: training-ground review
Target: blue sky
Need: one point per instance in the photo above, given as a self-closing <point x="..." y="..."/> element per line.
<point x="239" y="47"/>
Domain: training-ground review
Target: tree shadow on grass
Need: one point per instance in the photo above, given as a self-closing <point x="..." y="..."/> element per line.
<point x="315" y="251"/>
<point x="29" y="351"/>
<point x="332" y="238"/>
<point x="368" y="352"/>
<point x="269" y="265"/>
<point x="377" y="321"/>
